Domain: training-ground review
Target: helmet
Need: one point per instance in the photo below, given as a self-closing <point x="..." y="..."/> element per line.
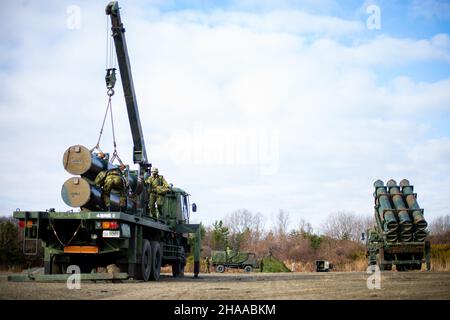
<point x="155" y="170"/>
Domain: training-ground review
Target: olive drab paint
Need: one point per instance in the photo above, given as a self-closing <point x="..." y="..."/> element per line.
<point x="399" y="237"/>
<point x="114" y="226"/>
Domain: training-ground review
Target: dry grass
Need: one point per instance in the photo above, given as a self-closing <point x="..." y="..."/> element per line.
<point x="13" y="268"/>
<point x="440" y="257"/>
<point x="357" y="265"/>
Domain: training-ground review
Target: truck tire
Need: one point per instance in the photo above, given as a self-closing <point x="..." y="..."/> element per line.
<point x="248" y="269"/>
<point x="220" y="268"/>
<point x="417" y="266"/>
<point x="57" y="267"/>
<point x="145" y="267"/>
<point x="156" y="261"/>
<point x="400" y="267"/>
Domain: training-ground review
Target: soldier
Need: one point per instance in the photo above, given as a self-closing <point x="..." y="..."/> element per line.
<point x="208" y="264"/>
<point x="229" y="253"/>
<point x="158" y="187"/>
<point x="112" y="179"/>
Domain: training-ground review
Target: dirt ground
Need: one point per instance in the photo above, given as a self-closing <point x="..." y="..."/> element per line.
<point x="333" y="285"/>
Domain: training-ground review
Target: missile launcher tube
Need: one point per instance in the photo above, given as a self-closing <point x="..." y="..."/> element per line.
<point x="417" y="212"/>
<point x="385" y="211"/>
<point x="403" y="215"/>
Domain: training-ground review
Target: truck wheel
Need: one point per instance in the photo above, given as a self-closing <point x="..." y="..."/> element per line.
<point x="248" y="269"/>
<point x="145" y="268"/>
<point x="156" y="259"/>
<point x="220" y="268"/>
<point x="400" y="267"/>
<point x="59" y="268"/>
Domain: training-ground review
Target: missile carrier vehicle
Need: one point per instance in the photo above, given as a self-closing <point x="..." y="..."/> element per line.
<point x="399" y="237"/>
<point x="233" y="259"/>
<point x="126" y="236"/>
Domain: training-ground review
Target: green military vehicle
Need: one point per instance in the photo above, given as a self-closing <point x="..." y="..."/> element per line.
<point x="124" y="235"/>
<point x="233" y="259"/>
<point x="399" y="237"/>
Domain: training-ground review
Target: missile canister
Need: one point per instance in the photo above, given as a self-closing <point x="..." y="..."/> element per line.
<point x="417" y="212"/>
<point x="402" y="213"/>
<point x="77" y="192"/>
<point x="78" y="160"/>
<point x="385" y="211"/>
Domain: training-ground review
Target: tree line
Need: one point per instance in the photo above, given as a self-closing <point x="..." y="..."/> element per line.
<point x="339" y="239"/>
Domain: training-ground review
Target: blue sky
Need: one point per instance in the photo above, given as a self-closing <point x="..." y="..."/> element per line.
<point x="263" y="105"/>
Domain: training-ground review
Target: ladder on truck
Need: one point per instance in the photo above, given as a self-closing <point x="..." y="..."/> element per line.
<point x="30" y="235"/>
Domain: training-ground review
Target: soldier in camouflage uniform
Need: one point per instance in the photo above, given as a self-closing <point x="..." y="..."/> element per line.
<point x="158" y="187"/>
<point x="112" y="179"/>
<point x="208" y="264"/>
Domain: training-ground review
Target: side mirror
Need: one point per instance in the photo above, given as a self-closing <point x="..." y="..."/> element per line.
<point x="363" y="236"/>
<point x="194" y="207"/>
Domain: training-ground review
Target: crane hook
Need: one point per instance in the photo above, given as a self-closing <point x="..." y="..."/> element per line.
<point x="110" y="79"/>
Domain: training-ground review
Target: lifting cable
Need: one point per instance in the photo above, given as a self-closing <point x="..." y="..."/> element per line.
<point x="56" y="234"/>
<point x="110" y="79"/>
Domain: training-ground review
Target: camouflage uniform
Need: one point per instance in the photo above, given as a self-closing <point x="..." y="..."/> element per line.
<point x="229" y="253"/>
<point x="158" y="187"/>
<point x="207" y="263"/>
<point x="109" y="180"/>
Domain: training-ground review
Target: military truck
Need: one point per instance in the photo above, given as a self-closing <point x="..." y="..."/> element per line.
<point x="234" y="259"/>
<point x="399" y="236"/>
<point x="123" y="235"/>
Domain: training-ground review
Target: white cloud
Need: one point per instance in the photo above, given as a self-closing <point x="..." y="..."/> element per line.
<point x="234" y="73"/>
<point x="281" y="21"/>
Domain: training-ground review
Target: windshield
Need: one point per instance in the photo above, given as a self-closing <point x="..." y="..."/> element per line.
<point x="185" y="207"/>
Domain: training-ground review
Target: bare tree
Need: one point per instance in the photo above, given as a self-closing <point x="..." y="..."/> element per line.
<point x="241" y="220"/>
<point x="246" y="228"/>
<point x="304" y="227"/>
<point x="282" y="223"/>
<point x="440" y="225"/>
<point x="346" y="226"/>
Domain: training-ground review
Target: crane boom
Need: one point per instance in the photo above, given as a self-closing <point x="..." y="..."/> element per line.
<point x="118" y="33"/>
